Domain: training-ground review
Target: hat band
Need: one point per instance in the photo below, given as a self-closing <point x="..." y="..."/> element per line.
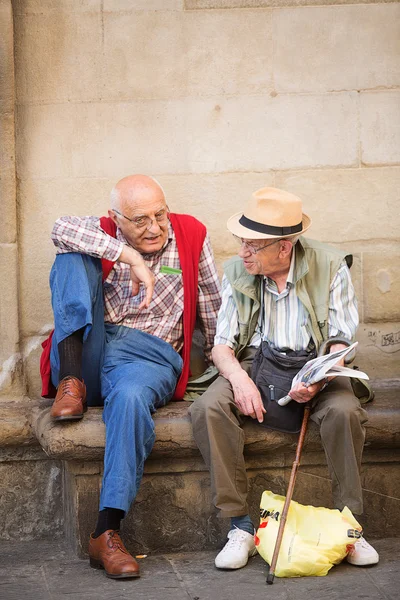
<point x="270" y="229"/>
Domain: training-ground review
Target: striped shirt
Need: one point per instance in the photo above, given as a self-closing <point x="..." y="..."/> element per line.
<point x="163" y="317"/>
<point x="287" y="324"/>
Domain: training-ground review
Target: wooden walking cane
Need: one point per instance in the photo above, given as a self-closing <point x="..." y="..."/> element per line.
<point x="289" y="494"/>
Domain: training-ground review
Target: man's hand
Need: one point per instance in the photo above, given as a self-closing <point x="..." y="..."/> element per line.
<point x="246" y="395"/>
<point x="140" y="274"/>
<point x="302" y="393"/>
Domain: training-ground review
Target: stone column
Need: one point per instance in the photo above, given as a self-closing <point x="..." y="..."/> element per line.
<point x="11" y="380"/>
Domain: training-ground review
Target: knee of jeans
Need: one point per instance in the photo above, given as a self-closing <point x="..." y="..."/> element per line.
<point x="72" y="263"/>
<point x="136" y="400"/>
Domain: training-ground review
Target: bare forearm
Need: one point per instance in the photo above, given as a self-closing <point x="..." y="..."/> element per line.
<point x="245" y="394"/>
<point x="335" y="348"/>
<point x="225" y="361"/>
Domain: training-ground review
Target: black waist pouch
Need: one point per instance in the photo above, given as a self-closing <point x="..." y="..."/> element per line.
<point x="272" y="372"/>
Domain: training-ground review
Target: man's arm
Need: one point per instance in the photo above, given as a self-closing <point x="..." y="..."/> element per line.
<point x="246" y="395"/>
<point x="342" y="321"/>
<point x="140" y="274"/>
<point x="84" y="235"/>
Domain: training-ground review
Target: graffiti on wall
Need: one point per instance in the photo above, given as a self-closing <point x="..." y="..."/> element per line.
<point x="386" y="342"/>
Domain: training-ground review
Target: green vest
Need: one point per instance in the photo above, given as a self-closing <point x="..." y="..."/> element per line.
<point x="315" y="266"/>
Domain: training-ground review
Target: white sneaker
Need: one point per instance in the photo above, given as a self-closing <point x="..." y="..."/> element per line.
<point x="362" y="554"/>
<point x="237" y="550"/>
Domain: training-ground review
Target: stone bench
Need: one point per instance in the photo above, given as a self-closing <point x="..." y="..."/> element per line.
<point x="15" y="423"/>
<point x="173" y="510"/>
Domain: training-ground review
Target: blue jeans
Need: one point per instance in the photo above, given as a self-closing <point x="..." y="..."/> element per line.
<point x="131" y="372"/>
<point x="77" y="300"/>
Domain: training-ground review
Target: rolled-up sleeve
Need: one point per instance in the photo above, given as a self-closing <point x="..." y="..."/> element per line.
<point x="343" y="313"/>
<point x="228" y="319"/>
<point x="84" y="234"/>
<point x="209" y="296"/>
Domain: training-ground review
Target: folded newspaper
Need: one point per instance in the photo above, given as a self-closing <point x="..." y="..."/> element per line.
<point x="322" y="367"/>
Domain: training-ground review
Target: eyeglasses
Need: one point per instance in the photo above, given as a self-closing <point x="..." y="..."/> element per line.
<point x="250" y="247"/>
<point x="146" y="222"/>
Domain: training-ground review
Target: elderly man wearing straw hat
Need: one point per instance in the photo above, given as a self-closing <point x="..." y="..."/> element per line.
<point x="287" y="295"/>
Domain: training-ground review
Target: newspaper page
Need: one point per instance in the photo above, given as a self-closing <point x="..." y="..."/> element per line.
<point x="322" y="367"/>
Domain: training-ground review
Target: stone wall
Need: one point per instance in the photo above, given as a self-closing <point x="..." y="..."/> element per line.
<point x="214" y="98"/>
<point x="10" y="358"/>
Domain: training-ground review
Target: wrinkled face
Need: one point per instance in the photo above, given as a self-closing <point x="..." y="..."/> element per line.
<point x="143" y="219"/>
<point x="265" y="257"/>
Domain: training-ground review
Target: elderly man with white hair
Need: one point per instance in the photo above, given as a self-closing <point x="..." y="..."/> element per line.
<point x="119" y="343"/>
<point x="283" y="298"/>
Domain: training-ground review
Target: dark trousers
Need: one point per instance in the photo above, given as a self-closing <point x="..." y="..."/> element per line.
<point x="217" y="428"/>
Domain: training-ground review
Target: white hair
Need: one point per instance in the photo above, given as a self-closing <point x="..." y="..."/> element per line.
<point x="292" y="238"/>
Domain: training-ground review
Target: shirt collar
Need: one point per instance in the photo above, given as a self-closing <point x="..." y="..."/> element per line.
<point x="290" y="277"/>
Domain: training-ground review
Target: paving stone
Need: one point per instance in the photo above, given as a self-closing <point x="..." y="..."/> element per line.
<point x="205" y="582"/>
<point x="44" y="570"/>
<point x="75" y="579"/>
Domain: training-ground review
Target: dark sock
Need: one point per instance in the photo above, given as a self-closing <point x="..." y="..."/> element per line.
<point x="244" y="522"/>
<point x="70" y="352"/>
<point x="109" y="518"/>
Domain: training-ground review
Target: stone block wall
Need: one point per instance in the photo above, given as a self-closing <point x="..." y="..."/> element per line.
<point x="215" y="98"/>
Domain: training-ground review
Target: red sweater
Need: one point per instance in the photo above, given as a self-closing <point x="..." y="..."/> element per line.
<point x="189" y="234"/>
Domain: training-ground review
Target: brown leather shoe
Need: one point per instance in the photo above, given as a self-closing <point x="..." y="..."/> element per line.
<point x="109" y="553"/>
<point x="70" y="401"/>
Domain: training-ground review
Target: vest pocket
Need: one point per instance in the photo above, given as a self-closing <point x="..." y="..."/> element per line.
<point x="321" y="314"/>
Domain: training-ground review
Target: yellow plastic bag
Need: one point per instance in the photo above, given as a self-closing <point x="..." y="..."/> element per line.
<point x="314" y="539"/>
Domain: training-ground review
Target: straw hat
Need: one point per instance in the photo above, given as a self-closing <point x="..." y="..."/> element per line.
<point x="270" y="213"/>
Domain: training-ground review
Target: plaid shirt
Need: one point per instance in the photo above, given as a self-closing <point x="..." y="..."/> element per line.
<point x="163" y="318"/>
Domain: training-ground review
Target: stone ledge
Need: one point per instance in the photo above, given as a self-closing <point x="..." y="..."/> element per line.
<point x="15" y="422"/>
<point x="84" y="440"/>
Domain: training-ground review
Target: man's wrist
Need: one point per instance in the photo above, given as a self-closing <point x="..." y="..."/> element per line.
<point x="235" y="372"/>
<point x="336" y="347"/>
<point x="130" y="256"/>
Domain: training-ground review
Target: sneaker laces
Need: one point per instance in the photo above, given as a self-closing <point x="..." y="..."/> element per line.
<point x="235" y="536"/>
<point x="362" y="543"/>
